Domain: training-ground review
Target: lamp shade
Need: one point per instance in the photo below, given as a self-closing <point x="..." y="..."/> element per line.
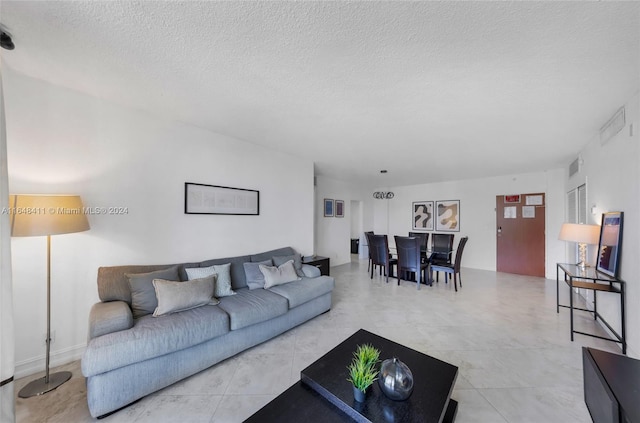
<point x="582" y="234"/>
<point x="38" y="215"/>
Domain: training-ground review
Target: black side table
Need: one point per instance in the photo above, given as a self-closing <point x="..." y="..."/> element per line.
<point x="320" y="262"/>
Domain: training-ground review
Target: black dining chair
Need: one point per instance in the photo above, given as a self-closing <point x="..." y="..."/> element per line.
<point x="441" y="249"/>
<point x="379" y="248"/>
<point x="409" y="259"/>
<point x="367" y="235"/>
<point x="424" y="238"/>
<point x="451" y="269"/>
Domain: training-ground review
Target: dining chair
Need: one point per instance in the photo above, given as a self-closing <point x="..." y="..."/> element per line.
<point x="379" y="245"/>
<point x="451" y="269"/>
<point x="366" y="235"/>
<point x="409" y="258"/>
<point x="424" y="238"/>
<point x="441" y="249"/>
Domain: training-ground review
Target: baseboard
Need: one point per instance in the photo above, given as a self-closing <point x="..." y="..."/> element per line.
<point x="57" y="358"/>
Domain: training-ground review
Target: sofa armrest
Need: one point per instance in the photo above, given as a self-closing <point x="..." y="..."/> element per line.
<point x="310" y="271"/>
<point x="112" y="316"/>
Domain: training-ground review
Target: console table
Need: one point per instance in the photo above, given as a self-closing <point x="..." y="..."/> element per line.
<point x="590" y="278"/>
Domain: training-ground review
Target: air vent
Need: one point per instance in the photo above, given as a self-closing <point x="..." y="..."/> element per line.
<point x="574" y="167"/>
<point x="612" y="127"/>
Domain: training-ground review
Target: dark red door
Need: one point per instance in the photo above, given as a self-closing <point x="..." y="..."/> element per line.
<point x="520" y="231"/>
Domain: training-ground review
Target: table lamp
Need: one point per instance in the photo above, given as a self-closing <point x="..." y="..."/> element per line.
<point x="46" y="215"/>
<point x="583" y="235"/>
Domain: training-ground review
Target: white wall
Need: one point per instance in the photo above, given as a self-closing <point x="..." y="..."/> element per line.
<point x="612" y="174"/>
<point x="477" y="212"/>
<point x="61" y="141"/>
<point x="333" y="235"/>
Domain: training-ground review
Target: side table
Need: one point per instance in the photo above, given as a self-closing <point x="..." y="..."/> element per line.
<point x="589" y="278"/>
<point x="320" y="262"/>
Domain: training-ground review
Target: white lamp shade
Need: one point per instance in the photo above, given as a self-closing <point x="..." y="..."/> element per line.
<point x="582" y="234"/>
<point x="38" y="215"/>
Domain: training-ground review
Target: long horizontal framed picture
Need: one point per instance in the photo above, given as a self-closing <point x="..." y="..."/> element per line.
<point x="423" y="216"/>
<point x="215" y="199"/>
<point x="448" y="216"/>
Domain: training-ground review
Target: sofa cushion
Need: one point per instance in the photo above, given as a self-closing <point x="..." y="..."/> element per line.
<point x="179" y="296"/>
<point x="223" y="280"/>
<point x="237" y="271"/>
<point x="255" y="278"/>
<point x="143" y="295"/>
<point x="304" y="290"/>
<point x="249" y="307"/>
<point x="282" y="274"/>
<point x="152" y="337"/>
<point x="268" y="255"/>
<point x="113" y="283"/>
<point x="297" y="262"/>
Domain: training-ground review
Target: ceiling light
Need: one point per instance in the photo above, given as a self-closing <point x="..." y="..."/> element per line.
<point x="6" y="42"/>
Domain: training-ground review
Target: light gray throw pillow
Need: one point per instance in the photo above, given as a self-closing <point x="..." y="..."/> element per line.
<point x="297" y="262"/>
<point x="179" y="296"/>
<point x="223" y="281"/>
<point x="255" y="278"/>
<point x="143" y="294"/>
<point x="278" y="275"/>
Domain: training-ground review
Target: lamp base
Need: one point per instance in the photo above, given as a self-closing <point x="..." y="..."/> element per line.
<point x="39" y="386"/>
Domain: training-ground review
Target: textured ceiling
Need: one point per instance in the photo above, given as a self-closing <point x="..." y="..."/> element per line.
<point x="430" y="91"/>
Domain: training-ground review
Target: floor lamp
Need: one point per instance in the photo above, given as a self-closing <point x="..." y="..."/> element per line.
<point x="583" y="235"/>
<point x="40" y="215"/>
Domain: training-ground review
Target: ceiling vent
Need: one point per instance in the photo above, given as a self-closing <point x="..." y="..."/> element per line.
<point x="612" y="127"/>
<point x="574" y="167"/>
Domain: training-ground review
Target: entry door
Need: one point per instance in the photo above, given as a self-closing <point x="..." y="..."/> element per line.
<point x="520" y="234"/>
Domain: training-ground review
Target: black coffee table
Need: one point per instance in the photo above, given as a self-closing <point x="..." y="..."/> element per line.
<point x="324" y="394"/>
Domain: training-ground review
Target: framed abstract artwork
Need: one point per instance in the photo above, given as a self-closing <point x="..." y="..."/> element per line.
<point x="215" y="199"/>
<point x="328" y="207"/>
<point x="610" y="242"/>
<point x="448" y="216"/>
<point x="422" y="216"/>
<point x="339" y="208"/>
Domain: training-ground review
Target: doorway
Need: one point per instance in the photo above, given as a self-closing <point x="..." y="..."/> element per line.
<point x="520" y="234"/>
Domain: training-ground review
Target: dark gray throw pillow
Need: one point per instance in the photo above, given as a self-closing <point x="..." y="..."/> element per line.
<point x="297" y="262"/>
<point x="143" y="294"/>
<point x="255" y="278"/>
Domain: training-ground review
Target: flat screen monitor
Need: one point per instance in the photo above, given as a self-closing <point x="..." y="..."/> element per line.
<point x="608" y="260"/>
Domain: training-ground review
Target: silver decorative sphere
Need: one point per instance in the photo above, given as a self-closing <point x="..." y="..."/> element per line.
<point x="395" y="379"/>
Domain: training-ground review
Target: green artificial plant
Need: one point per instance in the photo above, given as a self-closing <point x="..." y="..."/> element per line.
<point x="363" y="368"/>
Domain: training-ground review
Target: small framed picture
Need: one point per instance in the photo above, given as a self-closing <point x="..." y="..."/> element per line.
<point x="328" y="207"/>
<point x="339" y="208"/>
<point x="448" y="216"/>
<point x="422" y="216"/>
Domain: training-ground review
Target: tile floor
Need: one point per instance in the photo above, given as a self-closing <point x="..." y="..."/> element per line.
<point x="516" y="362"/>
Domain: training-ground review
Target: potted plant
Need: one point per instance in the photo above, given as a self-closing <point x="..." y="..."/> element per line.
<point x="363" y="370"/>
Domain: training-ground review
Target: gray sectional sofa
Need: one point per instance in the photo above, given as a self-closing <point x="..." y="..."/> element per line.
<point x="128" y="358"/>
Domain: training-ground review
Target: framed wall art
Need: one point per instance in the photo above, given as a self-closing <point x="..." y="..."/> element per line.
<point x="328" y="207"/>
<point x="215" y="199"/>
<point x="448" y="216"/>
<point x="422" y="216"/>
<point x="610" y="243"/>
<point x="339" y="208"/>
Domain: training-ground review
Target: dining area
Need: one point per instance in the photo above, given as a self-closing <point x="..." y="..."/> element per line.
<point x="416" y="257"/>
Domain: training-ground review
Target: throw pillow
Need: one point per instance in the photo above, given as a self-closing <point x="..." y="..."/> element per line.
<point x="255" y="278"/>
<point x="278" y="275"/>
<point x="223" y="281"/>
<point x="179" y="296"/>
<point x="143" y="294"/>
<point x="297" y="262"/>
